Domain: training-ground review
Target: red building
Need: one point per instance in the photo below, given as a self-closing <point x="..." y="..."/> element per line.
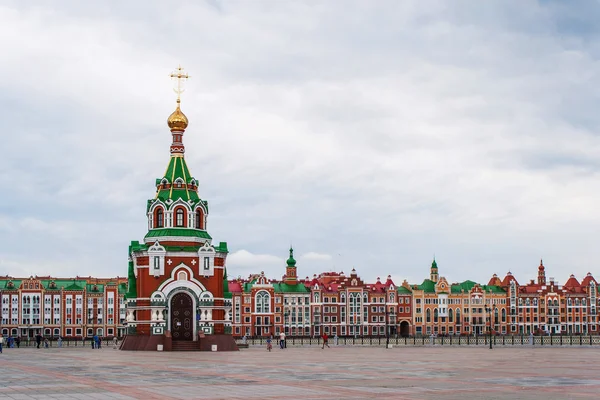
<point x="177" y="278"/>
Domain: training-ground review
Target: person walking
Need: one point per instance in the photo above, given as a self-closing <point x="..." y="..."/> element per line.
<point x="269" y="346"/>
<point x="46" y="343"/>
<point x="18" y="342"/>
<point x="1" y="342"/>
<point x="38" y="339"/>
<point x="115" y="342"/>
<point x="325" y="341"/>
<point x="59" y="341"/>
<point x="95" y="342"/>
<point x="281" y="340"/>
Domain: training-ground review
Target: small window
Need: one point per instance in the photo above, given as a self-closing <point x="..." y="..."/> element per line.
<point x="159" y="218"/>
<point x="199" y="219"/>
<point x="206" y="263"/>
<point x="179" y="217"/>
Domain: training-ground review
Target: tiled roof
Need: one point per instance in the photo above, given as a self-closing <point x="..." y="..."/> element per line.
<point x="285" y="288"/>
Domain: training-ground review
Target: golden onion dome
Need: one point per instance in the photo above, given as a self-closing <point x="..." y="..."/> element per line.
<point x="177" y="120"/>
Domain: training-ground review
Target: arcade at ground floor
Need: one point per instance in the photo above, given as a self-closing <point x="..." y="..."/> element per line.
<point x="308" y="373"/>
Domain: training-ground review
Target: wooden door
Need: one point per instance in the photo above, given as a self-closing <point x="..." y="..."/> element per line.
<point x="182" y="317"/>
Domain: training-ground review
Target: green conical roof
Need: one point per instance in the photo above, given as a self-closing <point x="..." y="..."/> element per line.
<point x="291" y="262"/>
<point x="176" y="169"/>
<point x="434" y="264"/>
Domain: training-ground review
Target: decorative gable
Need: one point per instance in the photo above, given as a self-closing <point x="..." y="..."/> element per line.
<point x="156" y="255"/>
<point x="206" y="255"/>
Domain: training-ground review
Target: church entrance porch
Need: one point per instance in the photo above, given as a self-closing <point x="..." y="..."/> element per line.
<point x="182" y="317"/>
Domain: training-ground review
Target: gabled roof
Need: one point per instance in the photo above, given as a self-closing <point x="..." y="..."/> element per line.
<point x="588" y="278"/>
<point x="572" y="283"/>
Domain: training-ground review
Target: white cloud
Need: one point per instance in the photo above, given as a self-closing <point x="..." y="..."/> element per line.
<point x="315" y="256"/>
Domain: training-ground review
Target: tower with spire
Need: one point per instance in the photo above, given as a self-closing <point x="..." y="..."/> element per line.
<point x="290" y="270"/>
<point x="541" y="274"/>
<point x="177" y="275"/>
<point x="433" y="275"/>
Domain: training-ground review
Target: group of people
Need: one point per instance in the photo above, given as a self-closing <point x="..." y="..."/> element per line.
<point x="9" y="342"/>
<point x="282" y="343"/>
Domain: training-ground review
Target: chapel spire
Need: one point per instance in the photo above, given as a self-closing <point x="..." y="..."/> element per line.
<point x="177" y="120"/>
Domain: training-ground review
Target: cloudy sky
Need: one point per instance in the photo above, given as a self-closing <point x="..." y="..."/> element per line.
<point x="370" y="134"/>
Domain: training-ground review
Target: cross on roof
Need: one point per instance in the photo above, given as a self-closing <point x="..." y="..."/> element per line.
<point x="179" y="75"/>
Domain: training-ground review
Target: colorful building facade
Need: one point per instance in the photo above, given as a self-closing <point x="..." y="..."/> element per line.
<point x="68" y="308"/>
<point x="331" y="303"/>
<point x="345" y="305"/>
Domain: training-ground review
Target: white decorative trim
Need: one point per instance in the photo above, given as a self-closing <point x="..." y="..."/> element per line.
<point x="178" y="238"/>
<point x="172" y="283"/>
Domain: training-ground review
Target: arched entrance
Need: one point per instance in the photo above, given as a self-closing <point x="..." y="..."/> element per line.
<point x="404" y="329"/>
<point x="182" y="317"/>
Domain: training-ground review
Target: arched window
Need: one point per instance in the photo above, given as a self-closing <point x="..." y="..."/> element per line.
<point x="182" y="276"/>
<point x="428" y="315"/>
<point x="199" y="219"/>
<point x="496" y="316"/>
<point x="458" y="315"/>
<point x="316" y="297"/>
<point x="159" y="221"/>
<point x="263" y="302"/>
<point x="450" y="315"/>
<point x="365" y="298"/>
<point x="179" y="217"/>
<point x="435" y="315"/>
<point x="343" y="298"/>
<point x="503" y="315"/>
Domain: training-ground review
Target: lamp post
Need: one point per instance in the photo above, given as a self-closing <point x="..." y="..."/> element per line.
<point x="489" y="311"/>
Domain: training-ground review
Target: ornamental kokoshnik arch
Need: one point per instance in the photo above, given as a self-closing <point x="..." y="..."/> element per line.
<point x="181" y="283"/>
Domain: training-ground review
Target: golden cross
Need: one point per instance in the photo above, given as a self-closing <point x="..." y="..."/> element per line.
<point x="179" y="75"/>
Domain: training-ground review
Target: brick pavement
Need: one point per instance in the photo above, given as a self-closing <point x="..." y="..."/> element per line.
<point x="307" y="373"/>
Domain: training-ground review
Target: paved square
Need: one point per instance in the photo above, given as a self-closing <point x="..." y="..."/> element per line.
<point x="303" y="373"/>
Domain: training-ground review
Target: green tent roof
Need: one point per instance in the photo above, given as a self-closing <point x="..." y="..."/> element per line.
<point x="177" y="168"/>
<point x="403" y="290"/>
